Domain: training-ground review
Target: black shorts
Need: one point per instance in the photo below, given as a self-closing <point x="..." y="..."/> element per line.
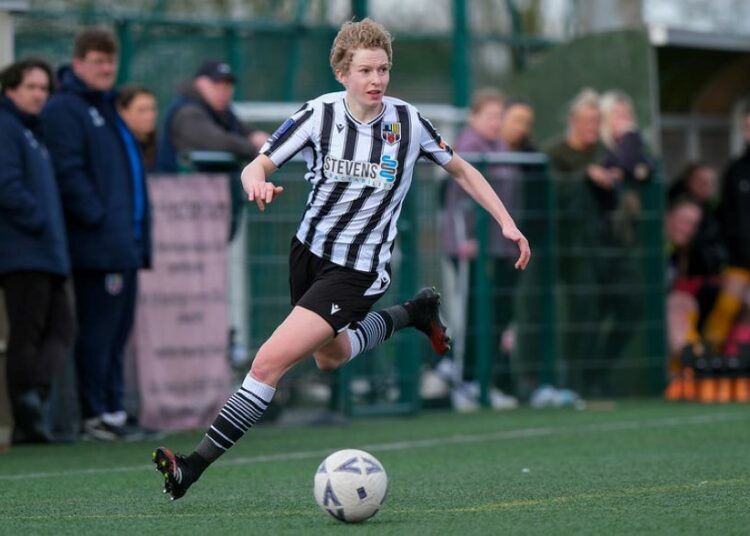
<point x="337" y="294"/>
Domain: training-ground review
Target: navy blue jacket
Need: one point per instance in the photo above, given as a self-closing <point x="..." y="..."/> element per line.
<point x="32" y="231"/>
<point x="95" y="178"/>
<point x="734" y="210"/>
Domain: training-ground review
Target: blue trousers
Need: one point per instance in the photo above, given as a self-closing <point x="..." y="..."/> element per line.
<point x="105" y="306"/>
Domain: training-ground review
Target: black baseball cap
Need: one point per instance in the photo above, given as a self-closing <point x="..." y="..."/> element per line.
<point x="217" y="71"/>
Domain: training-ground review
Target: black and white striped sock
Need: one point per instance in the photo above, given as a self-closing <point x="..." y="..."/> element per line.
<point x="375" y="328"/>
<point x="239" y="414"/>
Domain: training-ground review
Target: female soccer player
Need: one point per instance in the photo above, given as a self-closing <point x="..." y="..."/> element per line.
<point x="361" y="148"/>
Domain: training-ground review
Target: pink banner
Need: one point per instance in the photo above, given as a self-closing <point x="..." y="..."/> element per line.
<point x="182" y="318"/>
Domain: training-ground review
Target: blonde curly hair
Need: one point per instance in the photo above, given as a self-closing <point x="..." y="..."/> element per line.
<point x="366" y="34"/>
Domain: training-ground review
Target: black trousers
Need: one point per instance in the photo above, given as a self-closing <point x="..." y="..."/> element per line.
<point x="105" y="305"/>
<point x="42" y="329"/>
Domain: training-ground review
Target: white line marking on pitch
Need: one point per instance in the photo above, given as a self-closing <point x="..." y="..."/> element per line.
<point x="519" y="433"/>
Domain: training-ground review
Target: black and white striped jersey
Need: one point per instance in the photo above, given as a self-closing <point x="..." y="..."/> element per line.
<point x="359" y="172"/>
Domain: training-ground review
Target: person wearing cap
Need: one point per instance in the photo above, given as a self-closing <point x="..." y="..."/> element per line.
<point x="200" y="119"/>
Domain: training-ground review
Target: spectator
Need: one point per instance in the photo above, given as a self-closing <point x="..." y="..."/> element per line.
<point x="734" y="213"/>
<point x="624" y="150"/>
<point x="35" y="265"/>
<point x="624" y="146"/>
<point x="681" y="224"/>
<point x="707" y="256"/>
<point x="593" y="258"/>
<point x="137" y="107"/>
<point x="101" y="179"/>
<point x="201" y="118"/>
<point x="516" y="124"/>
<point x="482" y="135"/>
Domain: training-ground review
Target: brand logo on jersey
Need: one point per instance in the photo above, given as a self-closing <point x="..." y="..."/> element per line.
<point x="359" y="172"/>
<point x="391" y="132"/>
<point x="339" y="127"/>
<point x="335" y="308"/>
<point x="384" y="281"/>
<point x="380" y="285"/>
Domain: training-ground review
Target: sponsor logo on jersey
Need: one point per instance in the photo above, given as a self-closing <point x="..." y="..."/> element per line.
<point x="391" y="132"/>
<point x="388" y="168"/>
<point x="376" y="175"/>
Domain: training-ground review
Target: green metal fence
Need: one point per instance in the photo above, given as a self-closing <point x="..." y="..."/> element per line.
<point x="278" y="56"/>
<point x="610" y="288"/>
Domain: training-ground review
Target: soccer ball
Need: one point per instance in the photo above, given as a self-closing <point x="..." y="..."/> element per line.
<point x="350" y="485"/>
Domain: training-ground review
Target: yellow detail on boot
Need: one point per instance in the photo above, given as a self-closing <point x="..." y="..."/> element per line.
<point x="719" y="321"/>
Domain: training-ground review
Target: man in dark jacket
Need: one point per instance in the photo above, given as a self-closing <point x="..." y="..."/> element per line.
<point x="200" y="119"/>
<point x="102" y="184"/>
<point x="35" y="264"/>
<point x="734" y="213"/>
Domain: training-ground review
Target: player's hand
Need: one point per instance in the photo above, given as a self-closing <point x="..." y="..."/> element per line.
<point x="513" y="234"/>
<point x="262" y="192"/>
<point x="600" y="176"/>
<point x="605" y="178"/>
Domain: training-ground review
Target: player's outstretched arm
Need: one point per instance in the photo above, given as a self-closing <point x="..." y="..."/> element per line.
<point x="469" y="178"/>
<point x="254" y="181"/>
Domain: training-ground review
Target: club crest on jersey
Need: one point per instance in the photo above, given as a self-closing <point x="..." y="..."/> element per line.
<point x="391" y="132"/>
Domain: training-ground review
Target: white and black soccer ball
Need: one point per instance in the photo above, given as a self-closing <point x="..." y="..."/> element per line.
<point x="350" y="485"/>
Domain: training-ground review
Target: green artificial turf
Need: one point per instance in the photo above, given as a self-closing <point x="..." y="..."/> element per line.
<point x="640" y="467"/>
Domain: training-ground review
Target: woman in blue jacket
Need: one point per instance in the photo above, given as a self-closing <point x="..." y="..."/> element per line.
<point x="34" y="264"/>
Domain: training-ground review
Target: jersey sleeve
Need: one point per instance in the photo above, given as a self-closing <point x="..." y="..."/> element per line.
<point x="291" y="137"/>
<point x="431" y="145"/>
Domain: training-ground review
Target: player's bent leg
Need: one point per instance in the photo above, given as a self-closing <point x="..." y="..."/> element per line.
<point x="421" y="312"/>
<point x="301" y="333"/>
<point x="334" y="353"/>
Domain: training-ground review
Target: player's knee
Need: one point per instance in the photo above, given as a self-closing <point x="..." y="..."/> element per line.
<point x="265" y="369"/>
<point x="327" y="363"/>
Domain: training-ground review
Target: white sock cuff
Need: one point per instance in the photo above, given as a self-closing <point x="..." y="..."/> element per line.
<point x="355" y="342"/>
<point x="264" y="391"/>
